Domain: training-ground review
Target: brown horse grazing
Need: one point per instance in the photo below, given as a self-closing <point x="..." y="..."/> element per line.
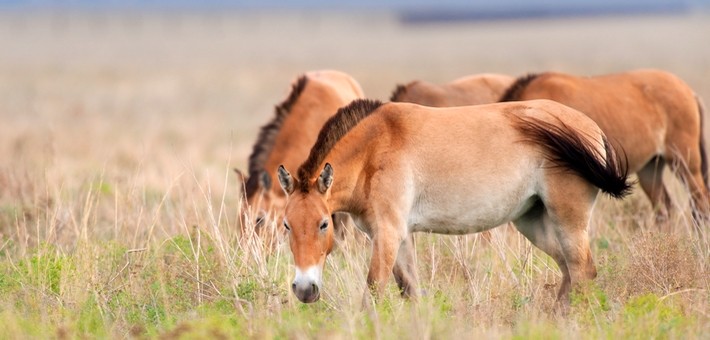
<point x="398" y="168"/>
<point x="653" y="115"/>
<point x="470" y="90"/>
<point x="287" y="138"/>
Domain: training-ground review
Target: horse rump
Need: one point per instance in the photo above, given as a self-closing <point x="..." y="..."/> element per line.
<point x="567" y="148"/>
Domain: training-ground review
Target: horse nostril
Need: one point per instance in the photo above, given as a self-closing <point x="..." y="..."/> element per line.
<point x="293" y="286"/>
<point x="314" y="289"/>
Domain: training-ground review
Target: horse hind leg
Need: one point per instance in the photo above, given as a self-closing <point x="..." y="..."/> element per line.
<point x="699" y="195"/>
<point x="535" y="226"/>
<point x="569" y="209"/>
<point x="559" y="226"/>
<point x="651" y="182"/>
<point x="689" y="170"/>
<point x="574" y="244"/>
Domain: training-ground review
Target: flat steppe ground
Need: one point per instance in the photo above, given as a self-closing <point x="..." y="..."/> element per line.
<point x="119" y="210"/>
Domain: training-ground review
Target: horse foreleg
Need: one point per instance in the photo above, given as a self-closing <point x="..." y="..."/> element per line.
<point x="385" y="246"/>
<point x="405" y="269"/>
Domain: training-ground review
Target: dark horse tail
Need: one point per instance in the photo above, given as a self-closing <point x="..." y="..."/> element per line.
<point x="516" y="89"/>
<point x="703" y="156"/>
<point x="567" y="148"/>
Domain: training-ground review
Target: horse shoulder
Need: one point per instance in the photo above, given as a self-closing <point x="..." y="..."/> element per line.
<point x="384" y="189"/>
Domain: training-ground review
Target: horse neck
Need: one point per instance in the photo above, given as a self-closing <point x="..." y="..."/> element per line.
<point x="348" y="162"/>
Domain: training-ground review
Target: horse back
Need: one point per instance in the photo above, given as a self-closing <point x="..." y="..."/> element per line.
<point x="479" y="89"/>
<point x="469" y="90"/>
<point x="466" y="134"/>
<point x="455" y="168"/>
<point x="627" y="90"/>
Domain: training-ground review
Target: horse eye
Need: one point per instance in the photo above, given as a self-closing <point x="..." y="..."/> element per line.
<point x="324" y="225"/>
<point x="286" y="226"/>
<point x="259" y="220"/>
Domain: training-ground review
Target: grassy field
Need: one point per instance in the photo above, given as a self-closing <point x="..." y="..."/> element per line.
<point x="119" y="211"/>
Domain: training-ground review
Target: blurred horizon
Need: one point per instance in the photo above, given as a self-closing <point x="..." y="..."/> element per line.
<point x="415" y="11"/>
<point x="347" y="4"/>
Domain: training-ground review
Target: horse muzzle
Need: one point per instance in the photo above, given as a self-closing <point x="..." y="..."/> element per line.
<point x="306" y="286"/>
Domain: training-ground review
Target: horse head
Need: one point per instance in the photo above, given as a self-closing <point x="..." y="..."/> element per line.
<point x="308" y="222"/>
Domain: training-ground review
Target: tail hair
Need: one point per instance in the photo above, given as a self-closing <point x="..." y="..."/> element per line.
<point x="703" y="155"/>
<point x="567" y="148"/>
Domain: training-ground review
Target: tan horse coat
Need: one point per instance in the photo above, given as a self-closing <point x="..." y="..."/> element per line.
<point x="470" y="90"/>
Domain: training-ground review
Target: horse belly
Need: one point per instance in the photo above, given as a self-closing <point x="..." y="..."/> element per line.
<point x="472" y="208"/>
<point x="470" y="174"/>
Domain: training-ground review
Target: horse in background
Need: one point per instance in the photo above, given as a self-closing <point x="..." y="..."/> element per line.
<point x="287" y="138"/>
<point x="652" y="115"/>
<point x="399" y="168"/>
<point x="470" y="90"/>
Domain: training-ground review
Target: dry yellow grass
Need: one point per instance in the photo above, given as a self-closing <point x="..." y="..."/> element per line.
<point x="118" y="208"/>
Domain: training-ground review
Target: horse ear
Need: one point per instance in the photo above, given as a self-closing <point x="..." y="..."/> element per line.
<point x="241" y="177"/>
<point x="265" y="180"/>
<point x="325" y="180"/>
<point x="287" y="182"/>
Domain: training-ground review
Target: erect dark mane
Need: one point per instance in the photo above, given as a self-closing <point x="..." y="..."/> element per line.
<point x="398" y="92"/>
<point x="267" y="137"/>
<point x="514" y="91"/>
<point x="333" y="130"/>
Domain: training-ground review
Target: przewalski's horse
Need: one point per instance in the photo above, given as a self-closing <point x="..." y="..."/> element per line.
<point x="653" y="115"/>
<point x="287" y="138"/>
<point x="398" y="168"/>
<point x="470" y="90"/>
